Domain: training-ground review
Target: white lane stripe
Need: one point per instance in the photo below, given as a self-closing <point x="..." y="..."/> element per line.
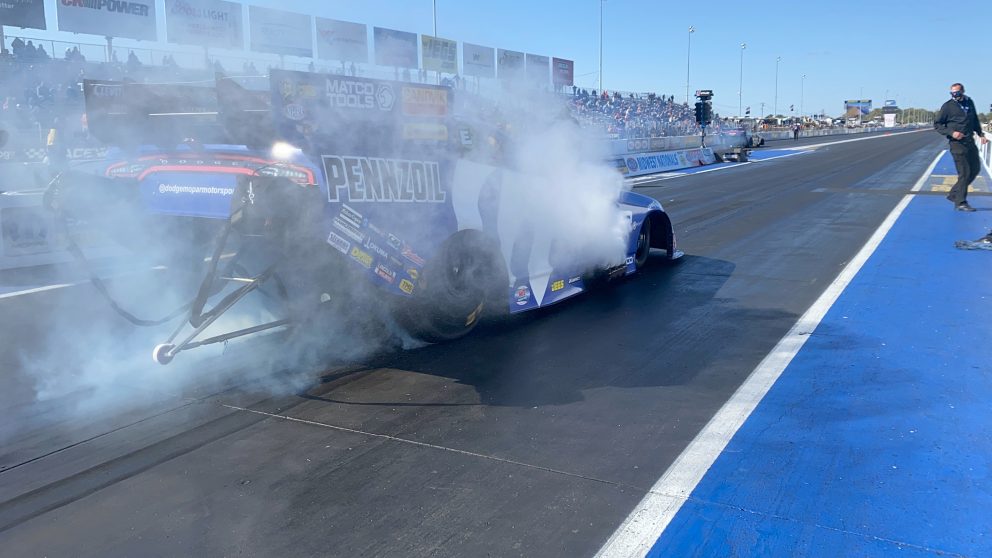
<point x="875" y="136"/>
<point x="646" y="523"/>
<point x="38" y="290"/>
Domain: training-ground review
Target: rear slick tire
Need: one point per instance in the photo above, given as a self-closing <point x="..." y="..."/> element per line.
<point x="455" y="289"/>
<point x="643" y="244"/>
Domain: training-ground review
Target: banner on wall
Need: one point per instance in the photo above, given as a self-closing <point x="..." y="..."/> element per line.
<point x="439" y="55"/>
<point x="395" y="48"/>
<point x="211" y="23"/>
<point x="478" y="61"/>
<point x="23" y="13"/>
<point x="342" y="40"/>
<point x="510" y="64"/>
<point x="563" y="71"/>
<point x="280" y="32"/>
<point x="131" y="19"/>
<point x="537" y="69"/>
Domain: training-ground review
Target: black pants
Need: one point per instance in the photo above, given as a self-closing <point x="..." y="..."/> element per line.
<point x="966" y="161"/>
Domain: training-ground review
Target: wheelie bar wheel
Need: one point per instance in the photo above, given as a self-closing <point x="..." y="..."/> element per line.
<point x="163" y="354"/>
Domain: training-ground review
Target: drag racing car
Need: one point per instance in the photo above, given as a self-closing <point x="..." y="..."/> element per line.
<point x="750" y="138"/>
<point x="316" y="185"/>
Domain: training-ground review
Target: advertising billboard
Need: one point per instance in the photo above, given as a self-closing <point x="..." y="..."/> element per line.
<point x="211" y="23"/>
<point x="538" y="68"/>
<point x="510" y="64"/>
<point x="478" y="61"/>
<point x="395" y="48"/>
<point x="23" y="13"/>
<point x="856" y="108"/>
<point x="280" y="32"/>
<point x="563" y="72"/>
<point x="439" y="55"/>
<point x="342" y="40"/>
<point x="132" y="19"/>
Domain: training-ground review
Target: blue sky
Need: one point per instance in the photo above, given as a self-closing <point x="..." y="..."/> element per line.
<point x="910" y="50"/>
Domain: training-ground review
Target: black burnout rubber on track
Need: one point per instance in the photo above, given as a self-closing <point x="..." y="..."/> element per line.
<point x="534" y="436"/>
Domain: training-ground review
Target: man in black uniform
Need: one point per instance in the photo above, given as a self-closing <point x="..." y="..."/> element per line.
<point x="958" y="120"/>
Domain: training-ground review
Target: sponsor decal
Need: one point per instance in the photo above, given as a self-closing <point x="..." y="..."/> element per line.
<point x="632" y="164"/>
<point x="86" y="152"/>
<point x="629" y="260"/>
<point x="369" y="179"/>
<point x="375" y="248"/>
<point x="356" y="94"/>
<point x="387" y="274"/>
<point x="426" y="131"/>
<point x="385" y="97"/>
<point x="339" y="243"/>
<point x="406" y="286"/>
<point x="361" y="257"/>
<point x="107" y="91"/>
<point x="574" y="280"/>
<point x="409" y="254"/>
<point x="294" y="111"/>
<point x="393" y="242"/>
<point x="348" y="229"/>
<point x="350" y="215"/>
<point x="185" y="189"/>
<point x="425" y="101"/>
<point x="522" y="295"/>
<point x="413" y="273"/>
<point x="557" y="285"/>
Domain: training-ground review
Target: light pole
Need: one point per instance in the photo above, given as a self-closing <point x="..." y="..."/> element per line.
<point x="740" y="86"/>
<point x="688" y="53"/>
<point x="435" y="18"/>
<point x="775" y="106"/>
<point x="802" y="95"/>
<point x="601" y="4"/>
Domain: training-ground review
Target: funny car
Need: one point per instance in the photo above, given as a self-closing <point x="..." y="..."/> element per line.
<point x="318" y="182"/>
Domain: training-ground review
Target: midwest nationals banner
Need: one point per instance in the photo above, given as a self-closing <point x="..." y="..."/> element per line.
<point x="478" y="61"/>
<point x="280" y="32"/>
<point x="395" y="48"/>
<point x="510" y="64"/>
<point x="23" y="13"/>
<point x="132" y="19"/>
<point x="212" y="23"/>
<point x="439" y="55"/>
<point x="342" y="40"/>
<point x="563" y="71"/>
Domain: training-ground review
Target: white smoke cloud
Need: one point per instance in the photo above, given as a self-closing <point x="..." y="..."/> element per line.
<point x="564" y="193"/>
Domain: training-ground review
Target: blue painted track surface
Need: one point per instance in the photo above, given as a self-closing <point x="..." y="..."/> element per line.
<point x="877" y="438"/>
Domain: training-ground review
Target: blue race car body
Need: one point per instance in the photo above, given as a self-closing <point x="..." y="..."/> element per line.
<point x="394" y="176"/>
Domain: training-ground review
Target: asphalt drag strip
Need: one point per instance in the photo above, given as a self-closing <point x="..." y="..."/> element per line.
<point x="536" y="435"/>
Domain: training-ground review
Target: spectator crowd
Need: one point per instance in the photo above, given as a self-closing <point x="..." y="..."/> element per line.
<point x="37" y="90"/>
<point x="635" y="116"/>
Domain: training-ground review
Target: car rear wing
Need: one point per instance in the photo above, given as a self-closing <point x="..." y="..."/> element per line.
<point x="132" y="114"/>
<point x="312" y="111"/>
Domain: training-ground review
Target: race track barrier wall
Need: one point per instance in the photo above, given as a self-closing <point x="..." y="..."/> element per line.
<point x="639" y="164"/>
<point x="985" y="152"/>
<point x="30" y="237"/>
